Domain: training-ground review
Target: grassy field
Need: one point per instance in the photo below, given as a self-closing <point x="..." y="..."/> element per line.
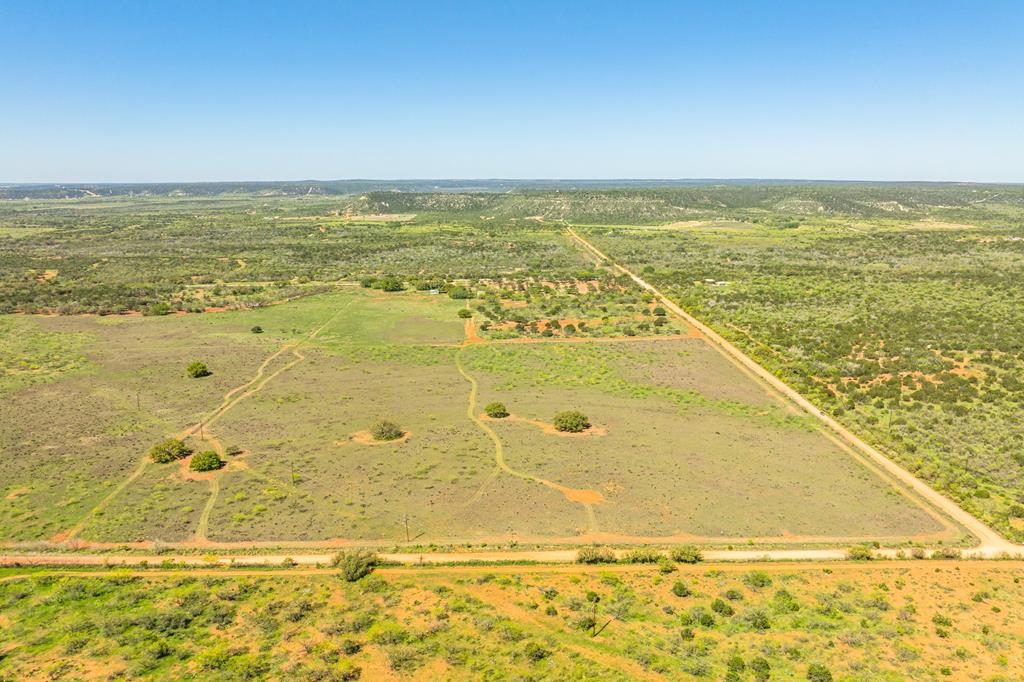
<point x="684" y="444"/>
<point x="886" y="621"/>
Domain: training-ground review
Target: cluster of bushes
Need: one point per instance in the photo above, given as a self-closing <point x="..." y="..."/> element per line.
<point x="595" y="554"/>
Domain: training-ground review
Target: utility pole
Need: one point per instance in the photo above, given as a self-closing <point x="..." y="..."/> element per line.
<point x="407" y="527"/>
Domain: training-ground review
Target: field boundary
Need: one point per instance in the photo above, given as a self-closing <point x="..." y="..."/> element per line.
<point x="991" y="544"/>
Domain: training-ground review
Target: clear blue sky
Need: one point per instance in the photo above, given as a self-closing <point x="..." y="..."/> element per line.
<point x="174" y="91"/>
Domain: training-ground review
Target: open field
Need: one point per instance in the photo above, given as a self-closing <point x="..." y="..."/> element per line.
<point x="876" y="621"/>
<point x="685" y="446"/>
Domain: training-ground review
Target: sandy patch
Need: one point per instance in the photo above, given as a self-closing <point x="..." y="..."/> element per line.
<point x="382" y="217"/>
<point x="47" y="275"/>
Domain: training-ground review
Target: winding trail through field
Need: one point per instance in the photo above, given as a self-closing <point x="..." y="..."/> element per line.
<point x="201" y="431"/>
<point x="991" y="543"/>
<point x="586" y="498"/>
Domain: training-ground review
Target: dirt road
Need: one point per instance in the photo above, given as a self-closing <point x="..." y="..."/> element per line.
<point x="991" y="544"/>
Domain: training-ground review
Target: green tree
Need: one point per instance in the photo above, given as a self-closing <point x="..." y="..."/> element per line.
<point x="198" y="369"/>
<point x="465" y="313"/>
<point x="571" y="421"/>
<point x="496" y="410"/>
<point x="168" y="451"/>
<point x="207" y="460"/>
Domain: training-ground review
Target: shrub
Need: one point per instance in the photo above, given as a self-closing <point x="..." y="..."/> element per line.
<point x="355" y="564"/>
<point x="535" y="652"/>
<point x="816" y="672"/>
<point x="595" y="555"/>
<point x="761" y="668"/>
<point x="459" y="292"/>
<point x="496" y="410"/>
<point x="367" y="282"/>
<point x="660" y="312"/>
<point x="391" y="284"/>
<point x="571" y="421"/>
<point x="686" y="554"/>
<point x="385" y="430"/>
<point x="465" y="313"/>
<point x="860" y="553"/>
<point x="946" y="553"/>
<point x="757" y="619"/>
<point x="642" y="555"/>
<point x="198" y="369"/>
<point x="680" y="589"/>
<point x="168" y="451"/>
<point x="757" y="579"/>
<point x="207" y="460"/>
<point x="665" y="565"/>
<point x="257" y="330"/>
<point x="721" y="608"/>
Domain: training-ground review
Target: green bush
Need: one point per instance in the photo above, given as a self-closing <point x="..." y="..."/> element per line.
<point x="355" y="564"/>
<point x="721" y="608"/>
<point x="198" y="369"/>
<point x="459" y="292"/>
<point x="385" y="430"/>
<point x="595" y="555"/>
<point x="816" y="672"/>
<point x="680" y="589"/>
<point x="207" y="460"/>
<point x="465" y="313"/>
<point x="496" y="410"/>
<point x="535" y="652"/>
<point x="257" y="330"/>
<point x="642" y="555"/>
<point x="571" y="421"/>
<point x="860" y="553"/>
<point x="168" y="451"/>
<point x="686" y="554"/>
<point x="391" y="284"/>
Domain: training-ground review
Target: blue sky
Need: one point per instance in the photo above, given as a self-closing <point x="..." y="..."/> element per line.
<point x="175" y="91"/>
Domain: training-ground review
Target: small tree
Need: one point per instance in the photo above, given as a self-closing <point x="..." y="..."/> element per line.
<point x="386" y="430"/>
<point x="257" y="330"/>
<point x="465" y="313"/>
<point x="198" y="369"/>
<point x="496" y="410"/>
<point x="207" y="460"/>
<point x="168" y="451"/>
<point x="660" y="312"/>
<point x="355" y="564"/>
<point x="571" y="421"/>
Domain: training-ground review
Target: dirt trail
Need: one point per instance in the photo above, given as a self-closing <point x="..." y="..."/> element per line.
<point x="587" y="498"/>
<point x="202" y="432"/>
<point x="991" y="543"/>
